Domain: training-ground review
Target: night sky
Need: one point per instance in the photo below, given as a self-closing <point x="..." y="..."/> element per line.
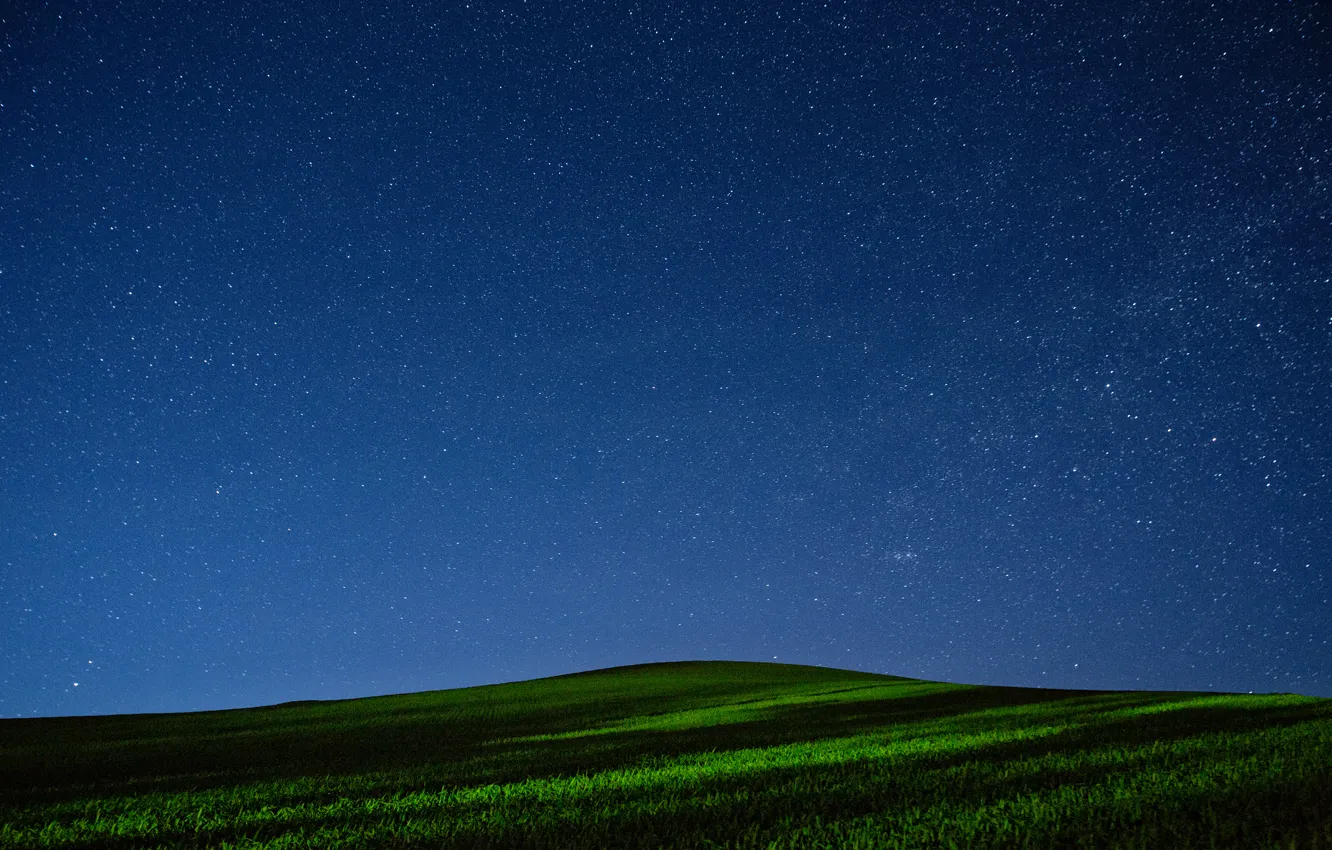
<point x="352" y="350"/>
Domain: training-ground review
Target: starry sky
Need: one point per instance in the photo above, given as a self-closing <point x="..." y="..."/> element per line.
<point x="363" y="348"/>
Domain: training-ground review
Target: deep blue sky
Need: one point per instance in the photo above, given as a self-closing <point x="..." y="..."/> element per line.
<point x="360" y="350"/>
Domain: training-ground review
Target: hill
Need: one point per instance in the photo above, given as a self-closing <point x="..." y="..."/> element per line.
<point x="686" y="754"/>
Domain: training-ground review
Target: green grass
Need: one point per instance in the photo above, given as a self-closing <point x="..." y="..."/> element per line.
<point x="705" y="754"/>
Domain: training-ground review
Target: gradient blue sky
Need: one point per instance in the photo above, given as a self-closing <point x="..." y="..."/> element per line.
<point x="352" y="349"/>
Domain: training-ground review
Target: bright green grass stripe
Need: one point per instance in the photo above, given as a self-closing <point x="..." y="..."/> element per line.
<point x="697" y="718"/>
<point x="819" y="692"/>
<point x="254" y="728"/>
<point x="1194" y="802"/>
<point x="1297" y="751"/>
<point x="1232" y="701"/>
<point x="294" y="791"/>
<point x="1115" y="806"/>
<point x="481" y="804"/>
<point x="239" y="804"/>
<point x="1107" y="708"/>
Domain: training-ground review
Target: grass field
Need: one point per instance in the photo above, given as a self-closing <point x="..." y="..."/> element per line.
<point x="697" y="754"/>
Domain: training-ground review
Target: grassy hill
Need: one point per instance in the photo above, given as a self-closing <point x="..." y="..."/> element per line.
<point x="696" y="754"/>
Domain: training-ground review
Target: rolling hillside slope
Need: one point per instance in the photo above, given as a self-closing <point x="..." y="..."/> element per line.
<point x="685" y="754"/>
